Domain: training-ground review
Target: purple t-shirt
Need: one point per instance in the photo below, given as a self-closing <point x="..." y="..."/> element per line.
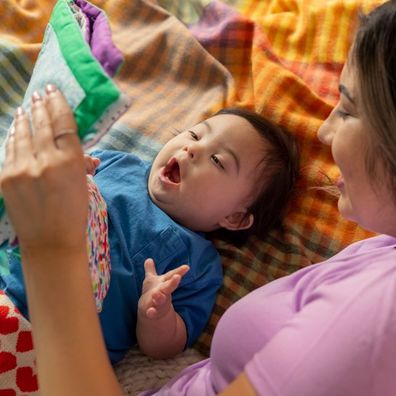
<point x="328" y="329"/>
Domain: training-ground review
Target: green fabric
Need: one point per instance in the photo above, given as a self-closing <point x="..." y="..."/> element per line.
<point x="4" y="267"/>
<point x="100" y="90"/>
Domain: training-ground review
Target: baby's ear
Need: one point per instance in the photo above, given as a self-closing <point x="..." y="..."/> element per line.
<point x="237" y="221"/>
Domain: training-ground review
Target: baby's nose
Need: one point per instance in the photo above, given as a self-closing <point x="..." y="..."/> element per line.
<point x="191" y="150"/>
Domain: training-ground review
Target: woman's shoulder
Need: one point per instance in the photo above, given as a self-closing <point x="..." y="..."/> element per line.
<point x="378" y="243"/>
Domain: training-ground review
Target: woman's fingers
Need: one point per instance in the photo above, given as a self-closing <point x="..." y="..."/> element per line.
<point x="52" y="127"/>
<point x="10" y="149"/>
<point x="53" y="123"/>
<point x="39" y="178"/>
<point x="43" y="139"/>
<point x="22" y="137"/>
<point x="64" y="126"/>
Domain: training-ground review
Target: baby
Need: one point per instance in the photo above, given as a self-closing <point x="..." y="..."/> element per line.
<point x="234" y="171"/>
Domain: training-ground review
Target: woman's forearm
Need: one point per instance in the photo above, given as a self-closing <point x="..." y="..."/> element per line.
<point x="70" y="350"/>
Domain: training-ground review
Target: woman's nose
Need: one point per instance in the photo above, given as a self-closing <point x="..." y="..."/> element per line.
<point x="326" y="130"/>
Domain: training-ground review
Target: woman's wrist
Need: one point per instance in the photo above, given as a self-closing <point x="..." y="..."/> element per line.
<point x="42" y="254"/>
<point x="46" y="269"/>
<point x="57" y="281"/>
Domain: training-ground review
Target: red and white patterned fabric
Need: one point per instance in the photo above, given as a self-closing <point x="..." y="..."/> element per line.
<point x="18" y="375"/>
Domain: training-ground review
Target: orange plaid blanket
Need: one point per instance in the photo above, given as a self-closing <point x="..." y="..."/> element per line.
<point x="184" y="60"/>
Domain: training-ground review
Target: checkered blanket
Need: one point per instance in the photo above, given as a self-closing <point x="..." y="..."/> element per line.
<point x="184" y="60"/>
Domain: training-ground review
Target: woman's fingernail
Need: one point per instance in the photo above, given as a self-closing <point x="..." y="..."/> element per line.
<point x="50" y="88"/>
<point x="36" y="96"/>
<point x="19" y="112"/>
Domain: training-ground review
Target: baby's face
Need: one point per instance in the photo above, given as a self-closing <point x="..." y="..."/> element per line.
<point x="205" y="176"/>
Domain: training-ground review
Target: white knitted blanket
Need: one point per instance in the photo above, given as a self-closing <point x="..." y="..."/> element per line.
<point x="138" y="372"/>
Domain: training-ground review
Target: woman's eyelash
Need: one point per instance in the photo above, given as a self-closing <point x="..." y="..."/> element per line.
<point x="342" y="114"/>
<point x="217" y="161"/>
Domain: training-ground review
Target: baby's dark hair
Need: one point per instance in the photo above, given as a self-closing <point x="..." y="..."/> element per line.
<point x="279" y="172"/>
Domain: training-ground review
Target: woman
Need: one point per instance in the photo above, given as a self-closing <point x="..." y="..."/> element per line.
<point x="328" y="329"/>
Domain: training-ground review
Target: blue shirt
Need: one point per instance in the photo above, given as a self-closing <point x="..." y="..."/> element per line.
<point x="138" y="229"/>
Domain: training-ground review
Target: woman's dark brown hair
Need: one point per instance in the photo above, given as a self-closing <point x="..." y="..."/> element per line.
<point x="373" y="56"/>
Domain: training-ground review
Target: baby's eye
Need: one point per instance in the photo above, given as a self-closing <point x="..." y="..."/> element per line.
<point x="194" y="135"/>
<point x="216" y="160"/>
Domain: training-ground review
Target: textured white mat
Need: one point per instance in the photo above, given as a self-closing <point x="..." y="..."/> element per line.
<point x="138" y="372"/>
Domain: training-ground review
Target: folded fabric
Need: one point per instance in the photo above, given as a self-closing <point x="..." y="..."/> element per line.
<point x="78" y="55"/>
<point x="18" y="371"/>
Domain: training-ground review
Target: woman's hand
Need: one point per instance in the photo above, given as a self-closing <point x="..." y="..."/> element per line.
<point x="45" y="190"/>
<point x="44" y="178"/>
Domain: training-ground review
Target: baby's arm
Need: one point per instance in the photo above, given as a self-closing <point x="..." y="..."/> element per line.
<point x="160" y="331"/>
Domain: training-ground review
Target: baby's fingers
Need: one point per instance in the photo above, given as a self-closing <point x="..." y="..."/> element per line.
<point x="158" y="298"/>
<point x="149" y="267"/>
<point x="151" y="313"/>
<point x="181" y="271"/>
<point x="170" y="285"/>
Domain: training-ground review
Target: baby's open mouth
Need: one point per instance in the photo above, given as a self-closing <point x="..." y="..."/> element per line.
<point x="172" y="171"/>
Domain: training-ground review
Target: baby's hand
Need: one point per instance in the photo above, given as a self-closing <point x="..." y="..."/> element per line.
<point x="91" y="163"/>
<point x="156" y="298"/>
